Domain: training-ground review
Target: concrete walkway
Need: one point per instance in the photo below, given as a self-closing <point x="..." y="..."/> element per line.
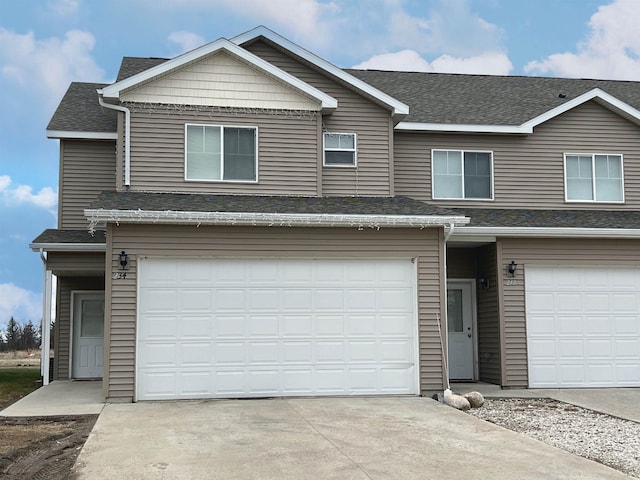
<point x="323" y="438"/>
<point x="61" y="397"/>
<point x="619" y="402"/>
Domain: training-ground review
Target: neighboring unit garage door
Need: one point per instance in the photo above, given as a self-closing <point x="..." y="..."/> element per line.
<point x="274" y="327"/>
<point x="583" y="327"/>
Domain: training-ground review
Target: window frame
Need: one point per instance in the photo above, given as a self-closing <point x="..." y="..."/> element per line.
<point x="462" y="152"/>
<point x="354" y="150"/>
<point x="222" y="127"/>
<point x="593" y="177"/>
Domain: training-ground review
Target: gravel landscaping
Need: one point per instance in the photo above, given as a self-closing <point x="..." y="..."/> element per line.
<point x="602" y="438"/>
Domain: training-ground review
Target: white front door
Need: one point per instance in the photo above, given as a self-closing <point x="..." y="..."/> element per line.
<point x="88" y="333"/>
<point x="460" y="328"/>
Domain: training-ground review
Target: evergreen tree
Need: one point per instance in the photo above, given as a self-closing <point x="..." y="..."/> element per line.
<point x="13" y="335"/>
<point x="28" y="341"/>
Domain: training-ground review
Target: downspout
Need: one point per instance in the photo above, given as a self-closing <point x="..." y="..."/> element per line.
<point x="127" y="136"/>
<point x="46" y="322"/>
<point x="445" y="340"/>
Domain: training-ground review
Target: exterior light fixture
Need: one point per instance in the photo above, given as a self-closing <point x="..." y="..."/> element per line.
<point x="511" y="268"/>
<point x="124" y="260"/>
<point x="484" y="282"/>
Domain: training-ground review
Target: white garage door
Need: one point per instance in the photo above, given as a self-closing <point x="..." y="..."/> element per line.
<point x="583" y="327"/>
<point x="275" y="327"/>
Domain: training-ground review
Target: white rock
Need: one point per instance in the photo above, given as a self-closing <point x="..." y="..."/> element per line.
<point x="476" y="400"/>
<point x="456" y="401"/>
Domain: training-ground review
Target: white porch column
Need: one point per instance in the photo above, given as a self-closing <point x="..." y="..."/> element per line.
<point x="45" y="335"/>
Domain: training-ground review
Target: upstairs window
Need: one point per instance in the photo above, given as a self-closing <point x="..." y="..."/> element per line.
<point x="221" y="153"/>
<point x="593" y="178"/>
<point x="461" y="174"/>
<point x="339" y="149"/>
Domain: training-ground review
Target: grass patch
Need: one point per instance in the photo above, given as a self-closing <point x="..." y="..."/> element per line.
<point x="15" y="383"/>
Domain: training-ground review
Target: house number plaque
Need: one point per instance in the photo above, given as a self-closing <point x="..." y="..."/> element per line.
<point x="119" y="275"/>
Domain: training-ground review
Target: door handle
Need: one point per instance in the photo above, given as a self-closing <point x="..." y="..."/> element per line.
<point x="469" y="335"/>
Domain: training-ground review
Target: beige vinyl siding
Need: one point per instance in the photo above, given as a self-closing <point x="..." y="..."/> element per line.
<point x="62" y="334"/>
<point x="488" y="328"/>
<point x="88" y="167"/>
<point x="287" y="150"/>
<point x="547" y="252"/>
<point x="220" y="80"/>
<point x="262" y="242"/>
<point x="523" y="163"/>
<point x="355" y="114"/>
<point x="461" y="262"/>
<point x="75" y="263"/>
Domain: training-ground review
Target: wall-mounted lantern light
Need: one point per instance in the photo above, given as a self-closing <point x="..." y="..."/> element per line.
<point x="484" y="282"/>
<point x="124" y="260"/>
<point x="511" y="268"/>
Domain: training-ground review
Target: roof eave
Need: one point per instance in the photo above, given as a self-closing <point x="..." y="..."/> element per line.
<point x="61" y="134"/>
<point x="272" y="219"/>
<point x="547" y="232"/>
<point x="68" y="247"/>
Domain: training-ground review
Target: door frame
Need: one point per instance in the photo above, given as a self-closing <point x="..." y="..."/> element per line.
<point x="72" y="321"/>
<point x="471" y="282"/>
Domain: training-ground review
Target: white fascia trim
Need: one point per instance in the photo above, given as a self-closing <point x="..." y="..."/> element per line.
<point x="397" y="107"/>
<point x="604" y="98"/>
<point x="114" y="90"/>
<point x="548" y="232"/>
<point x="65" y="247"/>
<point x="609" y="101"/>
<point x="82" y="135"/>
<point x="445" y="127"/>
<point x="271" y="219"/>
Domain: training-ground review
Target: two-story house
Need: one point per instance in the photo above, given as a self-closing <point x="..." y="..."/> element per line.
<point x="248" y="220"/>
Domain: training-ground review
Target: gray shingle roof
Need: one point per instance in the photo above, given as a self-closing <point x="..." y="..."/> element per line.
<point x="487" y="217"/>
<point x="486" y="99"/>
<point x="52" y="235"/>
<point x="79" y="111"/>
<point x="265" y="204"/>
<point x="131" y="66"/>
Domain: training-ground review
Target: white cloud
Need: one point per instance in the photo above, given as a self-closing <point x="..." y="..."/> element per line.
<point x="63" y="8"/>
<point x="611" y="50"/>
<point x="46" y="67"/>
<point x="186" y="40"/>
<point x="303" y="18"/>
<point x="45" y="198"/>
<point x="491" y="63"/>
<point x="450" y="27"/>
<point x="22" y="304"/>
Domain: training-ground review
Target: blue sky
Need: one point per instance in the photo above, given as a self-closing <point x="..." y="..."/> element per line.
<point x="45" y="44"/>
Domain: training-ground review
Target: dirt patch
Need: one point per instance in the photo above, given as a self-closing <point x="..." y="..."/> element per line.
<point x="43" y="448"/>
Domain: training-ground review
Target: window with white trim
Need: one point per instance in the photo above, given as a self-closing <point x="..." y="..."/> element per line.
<point x="593" y="177"/>
<point x="339" y="149"/>
<point x="221" y="153"/>
<point x="462" y="174"/>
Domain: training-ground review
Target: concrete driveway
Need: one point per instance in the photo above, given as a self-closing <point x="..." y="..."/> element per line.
<point x="324" y="438"/>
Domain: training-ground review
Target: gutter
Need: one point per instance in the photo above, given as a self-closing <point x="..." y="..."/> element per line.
<point x="548" y="232"/>
<point x="63" y="247"/>
<point x="270" y="219"/>
<point x="127" y="135"/>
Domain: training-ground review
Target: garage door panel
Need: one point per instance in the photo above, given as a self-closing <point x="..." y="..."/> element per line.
<point x="277" y="327"/>
<point x="591" y="336"/>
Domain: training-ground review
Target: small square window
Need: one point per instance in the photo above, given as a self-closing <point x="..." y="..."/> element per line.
<point x="593" y="178"/>
<point x="339" y="149"/>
